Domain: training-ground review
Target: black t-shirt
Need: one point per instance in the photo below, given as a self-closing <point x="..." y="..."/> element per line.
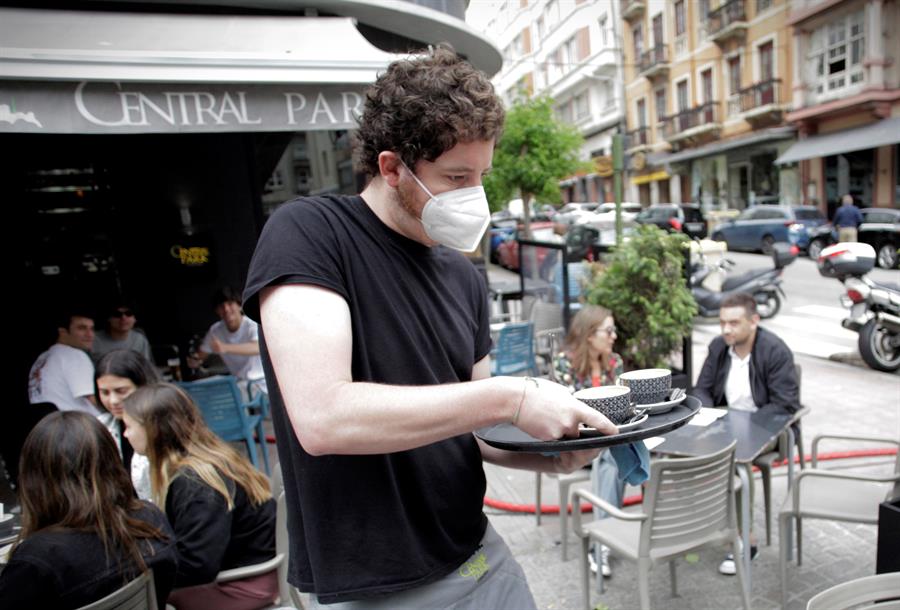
<point x="362" y="525"/>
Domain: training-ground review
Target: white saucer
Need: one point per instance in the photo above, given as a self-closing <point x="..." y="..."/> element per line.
<point x="623" y="427"/>
<point x="661" y="407"/>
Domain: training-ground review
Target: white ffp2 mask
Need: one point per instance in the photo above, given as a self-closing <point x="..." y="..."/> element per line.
<point x="457" y="218"/>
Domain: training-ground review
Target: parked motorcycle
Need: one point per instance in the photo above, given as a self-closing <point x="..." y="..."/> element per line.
<point x="874" y="307"/>
<point x="711" y="284"/>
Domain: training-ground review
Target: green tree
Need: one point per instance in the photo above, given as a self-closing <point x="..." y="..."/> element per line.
<point x="644" y="287"/>
<point x="535" y="152"/>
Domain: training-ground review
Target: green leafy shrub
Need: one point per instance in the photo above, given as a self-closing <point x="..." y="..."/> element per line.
<point x="643" y="284"/>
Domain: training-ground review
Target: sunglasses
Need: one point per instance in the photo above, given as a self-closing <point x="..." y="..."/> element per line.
<point x="122" y="313"/>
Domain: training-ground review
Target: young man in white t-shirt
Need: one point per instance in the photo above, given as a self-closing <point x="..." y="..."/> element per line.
<point x="234" y="337"/>
<point x="64" y="374"/>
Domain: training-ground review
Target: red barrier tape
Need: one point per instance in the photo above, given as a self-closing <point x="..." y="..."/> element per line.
<point x="552" y="509"/>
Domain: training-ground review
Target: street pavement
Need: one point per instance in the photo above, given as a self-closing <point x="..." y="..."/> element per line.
<point x="845" y="397"/>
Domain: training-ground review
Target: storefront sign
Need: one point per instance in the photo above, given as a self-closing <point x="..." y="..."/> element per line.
<point x="193" y="256"/>
<point x="604" y="166"/>
<point x="655" y="176"/>
<point x="103" y="108"/>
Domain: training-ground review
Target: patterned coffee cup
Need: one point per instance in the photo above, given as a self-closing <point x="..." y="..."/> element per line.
<point x="613" y="401"/>
<point x="648" y="386"/>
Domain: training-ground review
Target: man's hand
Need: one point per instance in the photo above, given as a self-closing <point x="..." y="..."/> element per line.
<point x="550" y="412"/>
<point x="570" y="461"/>
<point x="217" y="346"/>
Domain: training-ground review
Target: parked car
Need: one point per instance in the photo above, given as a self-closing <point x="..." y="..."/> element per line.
<point x="571" y="212"/>
<point x="686" y="218"/>
<point x="880" y="229"/>
<point x="627" y="208"/>
<point x="759" y="227"/>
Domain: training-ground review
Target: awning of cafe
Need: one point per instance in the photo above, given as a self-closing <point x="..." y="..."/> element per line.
<point x="880" y="133"/>
<point x="132" y="72"/>
<point x="715" y="148"/>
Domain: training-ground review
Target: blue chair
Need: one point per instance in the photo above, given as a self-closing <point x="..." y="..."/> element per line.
<point x="514" y="352"/>
<point x="228" y="415"/>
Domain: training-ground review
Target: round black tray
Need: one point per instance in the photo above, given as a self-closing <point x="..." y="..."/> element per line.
<point x="507" y="436"/>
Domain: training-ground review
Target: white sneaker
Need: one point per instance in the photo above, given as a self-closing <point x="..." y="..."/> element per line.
<point x="604" y="562"/>
<point x="727" y="566"/>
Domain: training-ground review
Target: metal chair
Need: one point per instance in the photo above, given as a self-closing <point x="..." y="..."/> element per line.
<point x="565" y="482"/>
<point x="139" y="594"/>
<point x="688" y="504"/>
<point x="837" y="496"/>
<point x="869" y="589"/>
<point x="225" y="412"/>
<point x="766" y="461"/>
<point x="515" y="350"/>
<point x="548" y="326"/>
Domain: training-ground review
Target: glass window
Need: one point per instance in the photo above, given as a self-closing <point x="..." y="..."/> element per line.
<point x="582" y="105"/>
<point x="837" y="52"/>
<point x="642" y="113"/>
<point x="682" y="90"/>
<point x="661" y="104"/>
<point x="604" y="34"/>
<point x="638" y="35"/>
<point x="808" y="214"/>
<point x="734" y="74"/>
<point x="679" y="18"/>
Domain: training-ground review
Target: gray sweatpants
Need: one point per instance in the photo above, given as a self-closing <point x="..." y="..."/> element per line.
<point x="491" y="579"/>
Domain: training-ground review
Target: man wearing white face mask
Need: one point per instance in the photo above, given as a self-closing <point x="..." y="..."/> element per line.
<point x="375" y="341"/>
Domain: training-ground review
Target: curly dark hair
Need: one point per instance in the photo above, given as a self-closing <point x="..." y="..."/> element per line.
<point x="422" y="107"/>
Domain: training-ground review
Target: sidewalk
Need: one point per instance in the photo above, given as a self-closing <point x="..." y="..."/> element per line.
<point x="843" y="398"/>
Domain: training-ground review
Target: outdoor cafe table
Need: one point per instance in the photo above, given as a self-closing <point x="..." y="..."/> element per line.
<point x="754" y="432"/>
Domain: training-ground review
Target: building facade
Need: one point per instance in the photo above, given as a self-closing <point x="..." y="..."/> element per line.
<point x="143" y="145"/>
<point x="846" y="101"/>
<point x="570" y="51"/>
<point x="708" y="85"/>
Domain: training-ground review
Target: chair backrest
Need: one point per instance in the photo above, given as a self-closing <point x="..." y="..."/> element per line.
<point x="546" y="316"/>
<point x="860" y="591"/>
<point x="221" y="404"/>
<point x="515" y="349"/>
<point x="690" y="502"/>
<point x="139" y="594"/>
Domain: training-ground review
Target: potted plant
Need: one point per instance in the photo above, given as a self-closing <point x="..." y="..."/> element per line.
<point x="642" y="282"/>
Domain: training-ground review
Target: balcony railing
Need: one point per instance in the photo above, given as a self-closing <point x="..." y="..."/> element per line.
<point x="726" y="20"/>
<point x="674" y="126"/>
<point x="654" y="61"/>
<point x="760" y="94"/>
<point x="638" y="137"/>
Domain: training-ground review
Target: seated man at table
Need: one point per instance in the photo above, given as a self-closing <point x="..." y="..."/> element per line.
<point x="235" y="337"/>
<point x="747" y="368"/>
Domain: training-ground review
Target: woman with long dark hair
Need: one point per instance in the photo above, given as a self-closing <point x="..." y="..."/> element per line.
<point x="84" y="533"/>
<point x="219" y="505"/>
<point x="118" y="374"/>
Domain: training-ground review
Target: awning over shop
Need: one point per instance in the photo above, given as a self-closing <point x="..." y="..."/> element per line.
<point x="873" y="135"/>
<point x="108" y="72"/>
<point x="764" y="135"/>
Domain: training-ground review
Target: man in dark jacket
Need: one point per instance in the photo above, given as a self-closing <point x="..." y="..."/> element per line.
<point x="747" y="368"/>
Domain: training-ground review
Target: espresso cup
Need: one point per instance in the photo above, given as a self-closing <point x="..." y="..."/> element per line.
<point x="613" y="401"/>
<point x="648" y="386"/>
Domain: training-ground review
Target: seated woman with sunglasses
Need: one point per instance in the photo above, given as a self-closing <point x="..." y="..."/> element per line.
<point x="588" y="361"/>
<point x="120" y="333"/>
<point x="219" y="505"/>
<point x="84" y="533"/>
